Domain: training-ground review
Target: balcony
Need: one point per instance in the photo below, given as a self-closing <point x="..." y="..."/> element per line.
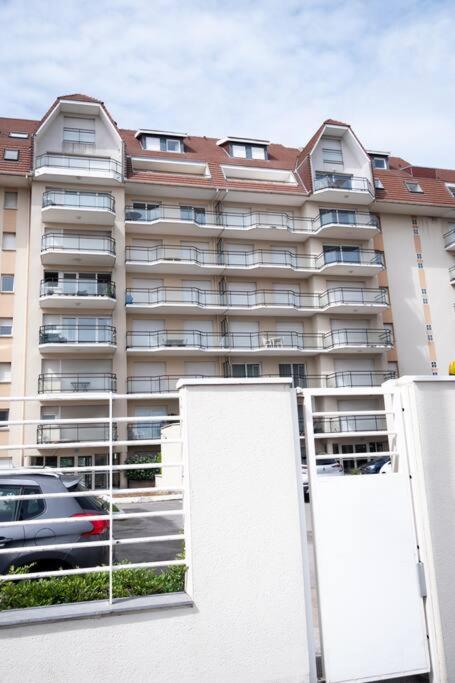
<point x="267" y="262"/>
<point x="261" y="302"/>
<point x="55" y="338"/>
<point x="76" y="383"/>
<point x="144" y="431"/>
<point x="449" y="238"/>
<point x="67" y="294"/>
<point x="76" y="248"/>
<point x="347" y="425"/>
<point x="357" y="378"/>
<point x="194" y="342"/>
<point x="77" y="432"/>
<point x="89" y="169"/>
<point x="267" y="225"/>
<point x="342" y="189"/>
<point x="88" y="208"/>
<point x="452" y="275"/>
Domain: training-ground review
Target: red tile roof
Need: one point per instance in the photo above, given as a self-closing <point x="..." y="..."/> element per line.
<point x="432" y="180"/>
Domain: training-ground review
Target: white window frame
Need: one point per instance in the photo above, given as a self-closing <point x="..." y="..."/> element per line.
<point x="5" y="365"/>
<point x="7" y="197"/>
<point x="383" y="161"/>
<point x="378" y="184"/>
<point x="18" y="134"/>
<point x="10" y="154"/>
<point x="408" y="183"/>
<point x="10" y="236"/>
<point x="5" y="325"/>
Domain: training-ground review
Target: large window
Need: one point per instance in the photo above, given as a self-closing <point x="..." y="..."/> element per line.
<point x="331" y="151"/>
<point x="337" y="253"/>
<point x="294" y="370"/>
<point x="79" y="135"/>
<point x="246" y="370"/>
<point x="247" y="151"/>
<point x="192" y="213"/>
<point x="162" y="143"/>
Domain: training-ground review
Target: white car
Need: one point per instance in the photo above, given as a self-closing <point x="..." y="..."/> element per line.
<point x="327" y="467"/>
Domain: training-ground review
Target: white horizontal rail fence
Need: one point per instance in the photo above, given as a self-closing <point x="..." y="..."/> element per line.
<point x="111" y="442"/>
<point x="368" y="566"/>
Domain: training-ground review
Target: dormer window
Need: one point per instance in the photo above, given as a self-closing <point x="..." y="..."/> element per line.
<point x="451" y="189"/>
<point x="413" y="187"/>
<point x="11" y="155"/>
<point x="245" y="151"/>
<point x="380" y="162"/>
<point x="378" y="184"/>
<point x="331" y="151"/>
<point x="161" y="143"/>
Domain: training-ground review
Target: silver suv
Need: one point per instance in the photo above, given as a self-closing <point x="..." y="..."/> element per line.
<point x="29" y="481"/>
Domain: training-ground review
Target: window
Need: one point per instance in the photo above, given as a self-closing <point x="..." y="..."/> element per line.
<point x="451" y="189"/>
<point x="419" y="255"/>
<point x="424" y="291"/>
<point x="9" y="241"/>
<point x="246" y="370"/>
<point x="434" y="364"/>
<point x="413" y="187"/>
<point x="379" y="162"/>
<point x="424" y="300"/>
<point x="33" y="507"/>
<point x="5" y="372"/>
<point x="247" y="151"/>
<point x="294" y="370"/>
<point x="338" y="253"/>
<point x="4" y="417"/>
<point x="192" y="213"/>
<point x="8" y="508"/>
<point x="17" y="134"/>
<point x="6" y="327"/>
<point x="162" y="144"/>
<point x="331" y="151"/>
<point x="11" y="154"/>
<point x="79" y="135"/>
<point x="430" y="337"/>
<point x="378" y="184"/>
<point x="7" y="283"/>
<point x="10" y="200"/>
<point x="420" y="265"/>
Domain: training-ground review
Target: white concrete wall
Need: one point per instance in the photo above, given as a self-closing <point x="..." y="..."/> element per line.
<point x="247" y="544"/>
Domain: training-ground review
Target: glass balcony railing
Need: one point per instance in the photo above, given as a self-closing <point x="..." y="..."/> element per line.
<point x="78" y="200"/>
<point x="358" y="378"/>
<point x="449" y="237"/>
<point x="372" y="338"/>
<point x="76" y="382"/>
<point x="258" y="257"/>
<point x="354" y="423"/>
<point x="89" y="164"/>
<point x="74" y="432"/>
<point x="249" y="220"/>
<point x="192" y="296"/>
<point x="77" y="334"/>
<point x="70" y="288"/>
<point x="141" y="431"/>
<point x="55" y="241"/>
<point x="342" y="182"/>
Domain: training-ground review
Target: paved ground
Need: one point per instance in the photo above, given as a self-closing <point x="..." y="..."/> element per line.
<point x="149" y="526"/>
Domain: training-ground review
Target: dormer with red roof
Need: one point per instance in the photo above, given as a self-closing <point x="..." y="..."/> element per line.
<point x="77" y="139"/>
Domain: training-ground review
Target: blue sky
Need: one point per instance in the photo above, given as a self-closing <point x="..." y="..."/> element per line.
<point x="262" y="68"/>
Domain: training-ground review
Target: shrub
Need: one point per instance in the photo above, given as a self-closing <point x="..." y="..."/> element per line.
<point x="84" y="587"/>
<point x="140" y="459"/>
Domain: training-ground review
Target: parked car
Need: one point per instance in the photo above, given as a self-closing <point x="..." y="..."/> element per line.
<point x="375" y="466"/>
<point x="28" y="481"/>
<point x="327" y="466"/>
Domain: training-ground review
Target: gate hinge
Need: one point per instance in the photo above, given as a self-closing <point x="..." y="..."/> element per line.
<point x="422" y="580"/>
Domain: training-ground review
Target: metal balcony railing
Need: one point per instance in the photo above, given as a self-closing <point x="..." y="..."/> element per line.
<point x="343" y="182"/>
<point x="248" y="259"/>
<point x="76" y="382"/>
<point x="356" y="423"/>
<point x="252" y="219"/>
<point x="358" y="378"/>
<point x="449" y="237"/>
<point x="80" y="164"/>
<point x="260" y="340"/>
<point x="192" y="296"/>
<point x="68" y="241"/>
<point x="71" y="433"/>
<point x="85" y="200"/>
<point x="70" y="288"/>
<point x="77" y="334"/>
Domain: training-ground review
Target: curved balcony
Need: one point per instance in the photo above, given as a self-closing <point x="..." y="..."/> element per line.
<point x="449" y="239"/>
<point x="76" y="383"/>
<point x="90" y="169"/>
<point x="261" y="302"/>
<point x="267" y="225"/>
<point x="70" y="248"/>
<point x="67" y="206"/>
<point x="56" y="338"/>
<point x="76" y="432"/>
<point x="267" y="262"/>
<point x="195" y="342"/>
<point x="343" y="188"/>
<point x="80" y="293"/>
<point x="358" y="378"/>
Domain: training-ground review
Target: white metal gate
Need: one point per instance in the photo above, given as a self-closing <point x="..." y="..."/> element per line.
<point x="369" y="578"/>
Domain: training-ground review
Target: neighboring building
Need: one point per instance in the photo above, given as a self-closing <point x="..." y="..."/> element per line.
<point x="132" y="258"/>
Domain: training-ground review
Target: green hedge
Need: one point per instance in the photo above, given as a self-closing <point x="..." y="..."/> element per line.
<point x="142" y="459"/>
<point x="83" y="587"/>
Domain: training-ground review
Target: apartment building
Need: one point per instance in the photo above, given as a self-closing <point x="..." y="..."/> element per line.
<point x="131" y="258"/>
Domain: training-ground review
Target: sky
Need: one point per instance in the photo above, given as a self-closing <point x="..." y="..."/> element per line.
<point x="271" y="69"/>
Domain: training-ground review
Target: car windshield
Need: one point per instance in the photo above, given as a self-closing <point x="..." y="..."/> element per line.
<point x="327" y="461"/>
<point x="88" y="502"/>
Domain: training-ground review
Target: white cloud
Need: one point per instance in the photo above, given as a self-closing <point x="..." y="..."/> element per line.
<point x="264" y="68"/>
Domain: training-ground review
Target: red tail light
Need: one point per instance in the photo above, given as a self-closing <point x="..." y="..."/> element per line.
<point x="99" y="526"/>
